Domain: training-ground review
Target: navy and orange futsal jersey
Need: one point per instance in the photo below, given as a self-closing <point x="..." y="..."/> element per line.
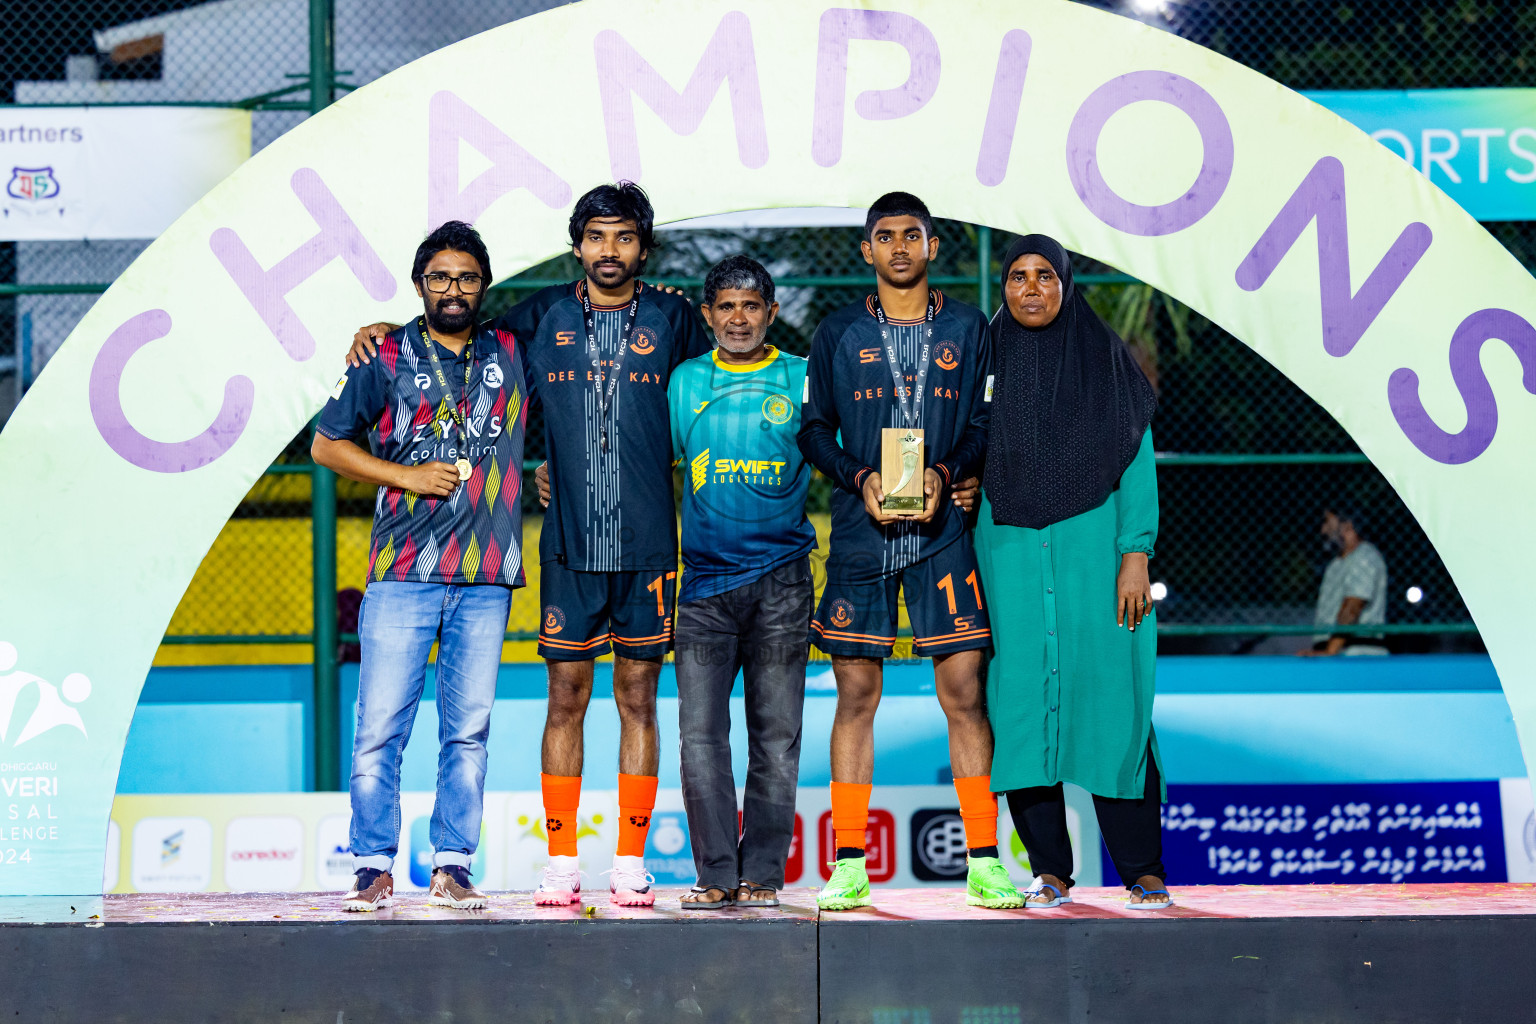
<point x="851" y="397"/>
<point x="475" y="535"/>
<point x="610" y="510"/>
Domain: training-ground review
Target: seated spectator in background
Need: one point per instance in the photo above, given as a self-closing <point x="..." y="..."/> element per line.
<point x="1354" y="590"/>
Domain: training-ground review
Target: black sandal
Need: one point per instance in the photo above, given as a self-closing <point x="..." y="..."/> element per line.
<point x="724" y="901"/>
<point x="751" y="900"/>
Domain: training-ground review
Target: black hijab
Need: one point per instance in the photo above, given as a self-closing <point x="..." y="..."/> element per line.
<point x="1069" y="406"/>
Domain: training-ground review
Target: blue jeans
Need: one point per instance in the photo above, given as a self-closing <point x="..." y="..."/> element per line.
<point x="396" y="628"/>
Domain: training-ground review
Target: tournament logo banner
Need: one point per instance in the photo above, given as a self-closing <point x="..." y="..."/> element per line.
<point x="1292" y="229"/>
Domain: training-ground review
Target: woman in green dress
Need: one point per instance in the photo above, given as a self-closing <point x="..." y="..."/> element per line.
<point x="1067" y="522"/>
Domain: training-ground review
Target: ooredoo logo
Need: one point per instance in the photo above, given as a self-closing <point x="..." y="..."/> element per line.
<point x="263" y="854"/>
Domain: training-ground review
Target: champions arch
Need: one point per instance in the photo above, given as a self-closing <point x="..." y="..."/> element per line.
<point x="1319" y="248"/>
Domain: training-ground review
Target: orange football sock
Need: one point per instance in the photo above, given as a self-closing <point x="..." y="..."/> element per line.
<point x="978" y="810"/>
<point x="637" y="798"/>
<point x="562" y="796"/>
<point x="850" y="813"/>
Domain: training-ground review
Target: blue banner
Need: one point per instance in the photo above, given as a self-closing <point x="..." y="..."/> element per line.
<point x="1478" y="145"/>
<point x="1341" y="832"/>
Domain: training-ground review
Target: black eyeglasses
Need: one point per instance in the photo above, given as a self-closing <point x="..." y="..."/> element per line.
<point x="469" y="284"/>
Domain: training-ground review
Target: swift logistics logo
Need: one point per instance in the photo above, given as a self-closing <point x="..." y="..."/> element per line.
<point x="700" y="470"/>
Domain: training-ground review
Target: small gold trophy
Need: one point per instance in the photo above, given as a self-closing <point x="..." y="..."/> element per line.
<point x="901" y="470"/>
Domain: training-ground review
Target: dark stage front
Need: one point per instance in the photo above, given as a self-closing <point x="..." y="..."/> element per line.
<point x="1366" y="953"/>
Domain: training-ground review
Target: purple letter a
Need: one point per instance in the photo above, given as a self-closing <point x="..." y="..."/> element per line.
<point x="1346" y="315"/>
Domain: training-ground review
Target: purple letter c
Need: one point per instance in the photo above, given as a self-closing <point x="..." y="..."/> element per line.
<point x="1083" y="160"/>
<point x="123" y="438"/>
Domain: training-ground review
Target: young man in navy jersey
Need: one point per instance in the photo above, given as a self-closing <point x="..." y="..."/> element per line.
<point x="442" y="410"/>
<point x="600" y="353"/>
<point x="905" y="357"/>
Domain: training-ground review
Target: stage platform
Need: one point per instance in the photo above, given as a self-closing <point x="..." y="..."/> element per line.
<point x="1363" y="953"/>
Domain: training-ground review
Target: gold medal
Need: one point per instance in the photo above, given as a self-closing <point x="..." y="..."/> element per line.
<point x="464" y="468"/>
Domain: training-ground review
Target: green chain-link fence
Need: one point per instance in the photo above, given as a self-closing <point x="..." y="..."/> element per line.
<point x="1247" y="462"/>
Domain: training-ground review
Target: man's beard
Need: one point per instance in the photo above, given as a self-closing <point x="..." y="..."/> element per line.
<point x="450" y="322"/>
<point x="626" y="273"/>
<point x="738" y="347"/>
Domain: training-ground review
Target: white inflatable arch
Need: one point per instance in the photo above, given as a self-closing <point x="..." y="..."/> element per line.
<point x="1322" y="250"/>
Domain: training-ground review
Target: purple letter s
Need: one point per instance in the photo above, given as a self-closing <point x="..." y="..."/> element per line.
<point x="1467" y="372"/>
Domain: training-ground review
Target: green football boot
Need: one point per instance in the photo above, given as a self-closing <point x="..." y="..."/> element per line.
<point x="987" y="885"/>
<point x="847" y="888"/>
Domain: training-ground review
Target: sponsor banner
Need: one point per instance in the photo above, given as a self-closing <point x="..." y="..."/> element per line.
<point x="299" y="842"/>
<point x="1519" y="815"/>
<point x="272" y="842"/>
<point x="76" y="173"/>
<point x="1341" y="832"/>
<point x="1478" y="145"/>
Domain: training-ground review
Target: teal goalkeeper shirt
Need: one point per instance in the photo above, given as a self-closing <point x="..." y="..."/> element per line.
<point x="744" y="480"/>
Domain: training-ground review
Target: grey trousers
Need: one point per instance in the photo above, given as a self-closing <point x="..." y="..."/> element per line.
<point x="760" y="630"/>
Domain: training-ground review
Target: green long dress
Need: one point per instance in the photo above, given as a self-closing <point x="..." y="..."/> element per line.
<point x="1069" y="692"/>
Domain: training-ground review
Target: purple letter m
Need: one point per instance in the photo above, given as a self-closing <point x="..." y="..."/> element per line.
<point x="728" y="60"/>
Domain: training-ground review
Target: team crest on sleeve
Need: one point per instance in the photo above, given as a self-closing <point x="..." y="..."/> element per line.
<point x="554" y="620"/>
<point x="490" y="375"/>
<point x="341" y="386"/>
<point x="946" y="355"/>
<point x="842" y="613"/>
<point x="988" y="396"/>
<point x="777" y="409"/>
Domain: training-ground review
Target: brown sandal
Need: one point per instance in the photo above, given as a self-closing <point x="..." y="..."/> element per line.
<point x="747" y="895"/>
<point x="725" y="899"/>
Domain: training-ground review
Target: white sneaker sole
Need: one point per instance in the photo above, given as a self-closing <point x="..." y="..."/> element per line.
<point x="630" y="898"/>
<point x="449" y="901"/>
<point x="364" y="907"/>
<point x="556" y="899"/>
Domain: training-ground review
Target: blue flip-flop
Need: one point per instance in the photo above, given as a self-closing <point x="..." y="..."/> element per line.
<point x="1040" y="891"/>
<point x="1145" y="893"/>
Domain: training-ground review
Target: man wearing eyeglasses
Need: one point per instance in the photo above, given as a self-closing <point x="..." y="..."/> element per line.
<point x="442" y="409"/>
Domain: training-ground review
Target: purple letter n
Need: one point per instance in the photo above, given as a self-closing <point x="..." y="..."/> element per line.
<point x="1346" y="315"/>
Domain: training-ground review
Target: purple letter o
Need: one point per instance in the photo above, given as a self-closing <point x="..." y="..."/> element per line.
<point x="1083" y="145"/>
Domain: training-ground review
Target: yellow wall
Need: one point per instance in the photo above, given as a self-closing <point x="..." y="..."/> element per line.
<point x="256" y="580"/>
